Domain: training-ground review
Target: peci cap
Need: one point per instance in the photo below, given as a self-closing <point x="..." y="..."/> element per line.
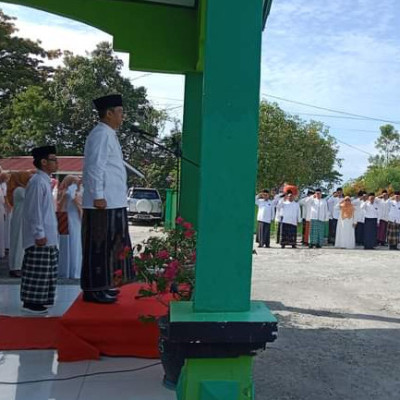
<point x="38" y="153"/>
<point x="110" y="101"/>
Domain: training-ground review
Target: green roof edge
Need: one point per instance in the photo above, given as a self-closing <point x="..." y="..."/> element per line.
<point x="266" y="10"/>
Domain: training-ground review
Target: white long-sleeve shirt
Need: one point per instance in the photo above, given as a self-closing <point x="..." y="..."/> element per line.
<point x="359" y="212"/>
<point x="39" y="214"/>
<point x="318" y="209"/>
<point x="333" y="207"/>
<point x="394" y="211"/>
<point x="266" y="210"/>
<point x="306" y="207"/>
<point x="104" y="173"/>
<point x="370" y="209"/>
<point x="290" y="212"/>
<point x="383" y="209"/>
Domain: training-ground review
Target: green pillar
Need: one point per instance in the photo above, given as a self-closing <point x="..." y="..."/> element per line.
<point x="190" y="175"/>
<point x="228" y="154"/>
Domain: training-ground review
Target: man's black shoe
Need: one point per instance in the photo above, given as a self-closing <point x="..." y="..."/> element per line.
<point x="33" y="308"/>
<point x="112" y="292"/>
<point x="98" y="297"/>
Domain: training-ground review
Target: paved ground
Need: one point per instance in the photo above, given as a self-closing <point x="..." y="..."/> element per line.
<point x="339" y="323"/>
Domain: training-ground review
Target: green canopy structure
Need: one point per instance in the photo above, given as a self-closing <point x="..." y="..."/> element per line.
<point x="216" y="44"/>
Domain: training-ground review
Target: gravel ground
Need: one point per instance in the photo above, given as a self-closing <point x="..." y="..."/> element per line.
<point x="339" y="322"/>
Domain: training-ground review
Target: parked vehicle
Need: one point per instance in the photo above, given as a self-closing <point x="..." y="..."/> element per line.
<point x="144" y="204"/>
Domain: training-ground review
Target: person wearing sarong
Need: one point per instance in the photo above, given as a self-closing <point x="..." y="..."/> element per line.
<point x="306" y="207"/>
<point x="264" y="217"/>
<point x="318" y="218"/>
<point x="2" y="217"/>
<point x="383" y="204"/>
<point x="360" y="217"/>
<point x="278" y="200"/>
<point x="334" y="213"/>
<point x="393" y="231"/>
<point x="40" y="236"/>
<point x="290" y="214"/>
<point x="106" y="244"/>
<point x="16" y="197"/>
<point x="345" y="237"/>
<point x="370" y="208"/>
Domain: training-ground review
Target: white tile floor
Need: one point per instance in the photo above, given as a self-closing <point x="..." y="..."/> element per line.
<point x="18" y="366"/>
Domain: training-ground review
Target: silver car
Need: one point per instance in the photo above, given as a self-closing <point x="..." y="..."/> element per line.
<point x="144" y="204"/>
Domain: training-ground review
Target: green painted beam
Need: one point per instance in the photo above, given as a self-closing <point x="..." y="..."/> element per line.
<point x="228" y="155"/>
<point x="158" y="38"/>
<point x="191" y="142"/>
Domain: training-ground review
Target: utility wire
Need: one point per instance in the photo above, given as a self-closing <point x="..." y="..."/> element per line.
<point x="331" y="110"/>
<point x="81" y="376"/>
<point x="354" y="147"/>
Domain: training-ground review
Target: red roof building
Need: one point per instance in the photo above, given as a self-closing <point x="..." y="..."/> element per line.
<point x="67" y="165"/>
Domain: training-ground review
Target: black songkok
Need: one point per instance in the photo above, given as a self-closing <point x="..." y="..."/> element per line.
<point x="110" y="101"/>
<point x="39" y="153"/>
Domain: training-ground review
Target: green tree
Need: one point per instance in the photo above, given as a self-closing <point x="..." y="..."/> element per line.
<point x="22" y="61"/>
<point x="291" y="150"/>
<point x="388" y="146"/>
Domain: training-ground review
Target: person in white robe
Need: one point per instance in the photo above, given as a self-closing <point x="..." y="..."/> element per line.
<point x="345" y="237"/>
<point x="16" y="198"/>
<point x="70" y="259"/>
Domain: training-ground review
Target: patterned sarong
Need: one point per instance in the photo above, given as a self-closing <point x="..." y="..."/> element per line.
<point x="106" y="248"/>
<point x="382" y="231"/>
<point x="39" y="275"/>
<point x="306" y="233"/>
<point x="317" y="232"/>
<point x="393" y="232"/>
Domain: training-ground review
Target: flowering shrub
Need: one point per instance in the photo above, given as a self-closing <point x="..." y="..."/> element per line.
<point x="166" y="264"/>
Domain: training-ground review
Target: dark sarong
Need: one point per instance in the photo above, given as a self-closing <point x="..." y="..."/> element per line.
<point x="106" y="248"/>
<point x="359" y="232"/>
<point x="370" y="233"/>
<point x="39" y="275"/>
<point x="263" y="233"/>
<point x="289" y="234"/>
<point x="279" y="230"/>
<point x="332" y="230"/>
<point x="382" y="231"/>
<point x="393" y="232"/>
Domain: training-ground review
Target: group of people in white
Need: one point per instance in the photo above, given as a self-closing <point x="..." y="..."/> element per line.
<point x="67" y="198"/>
<point x="365" y="220"/>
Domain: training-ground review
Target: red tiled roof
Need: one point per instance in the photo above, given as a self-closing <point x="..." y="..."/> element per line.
<point x="65" y="164"/>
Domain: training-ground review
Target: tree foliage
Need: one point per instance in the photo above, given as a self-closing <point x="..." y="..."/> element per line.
<point x="294" y="151"/>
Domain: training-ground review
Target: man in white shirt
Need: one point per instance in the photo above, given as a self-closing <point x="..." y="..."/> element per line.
<point x="318" y="217"/>
<point x="334" y="211"/>
<point x="360" y="217"/>
<point x="371" y="209"/>
<point x="40" y="235"/>
<point x="306" y="207"/>
<point x="383" y="204"/>
<point x="105" y="224"/>
<point x="265" y="215"/>
<point x="289" y="211"/>
<point x="393" y="231"/>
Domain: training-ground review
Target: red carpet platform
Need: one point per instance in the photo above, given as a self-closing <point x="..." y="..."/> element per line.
<point x="26" y="333"/>
<point x="88" y="330"/>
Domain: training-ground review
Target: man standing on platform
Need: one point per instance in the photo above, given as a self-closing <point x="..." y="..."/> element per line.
<point x="105" y="233"/>
<point x="40" y="235"/>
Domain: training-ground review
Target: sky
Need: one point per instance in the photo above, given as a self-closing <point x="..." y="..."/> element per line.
<point x="339" y="55"/>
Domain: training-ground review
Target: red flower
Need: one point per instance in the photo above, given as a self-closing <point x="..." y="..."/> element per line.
<point x="118" y="272"/>
<point x="179" y="220"/>
<point x="163" y="254"/>
<point x="194" y="256"/>
<point x="187" y="225"/>
<point x="188" y="234"/>
<point x="171" y="270"/>
<point x="144" y="256"/>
